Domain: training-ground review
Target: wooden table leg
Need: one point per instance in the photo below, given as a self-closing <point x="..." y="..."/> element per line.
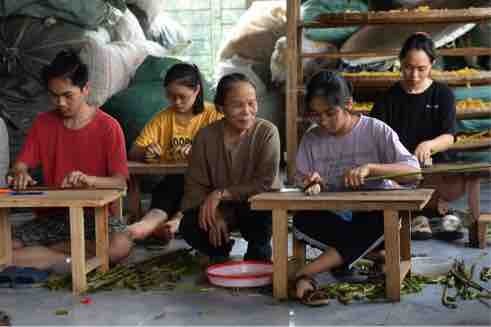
<point x="473" y="201"/>
<point x="134" y="203"/>
<point x="393" y="255"/>
<point x="5" y="238"/>
<point x="77" y="240"/>
<point x="280" y="254"/>
<point x="102" y="237"/>
<point x="406" y="236"/>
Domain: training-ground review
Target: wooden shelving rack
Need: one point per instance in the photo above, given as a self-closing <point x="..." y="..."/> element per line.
<point x="294" y="84"/>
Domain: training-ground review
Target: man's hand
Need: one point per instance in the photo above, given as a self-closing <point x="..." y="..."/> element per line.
<point x="20" y="180"/>
<point x="355" y="177"/>
<point x="208" y="210"/>
<point x="78" y="179"/>
<point x="218" y="233"/>
<point x="152" y="152"/>
<point x="423" y="152"/>
<point x="312" y="184"/>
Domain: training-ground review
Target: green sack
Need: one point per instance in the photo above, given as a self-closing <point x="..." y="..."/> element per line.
<point x="154" y="69"/>
<point x="313" y="8"/>
<point x="88" y="14"/>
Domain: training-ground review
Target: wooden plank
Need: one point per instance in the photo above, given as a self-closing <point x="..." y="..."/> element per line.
<point x="77" y="243"/>
<point x="392" y="255"/>
<point x="433" y="16"/>
<point x="5" y="238"/>
<point x="475" y="171"/>
<point x="473" y="114"/>
<point x="92" y="264"/>
<point x="298" y="253"/>
<point x="62" y="198"/>
<point x="471" y="51"/>
<point x="480" y="144"/>
<point x="102" y="237"/>
<point x="405" y="269"/>
<point x="280" y="254"/>
<point x="292" y="86"/>
<point x="163" y="168"/>
<point x="449" y="78"/>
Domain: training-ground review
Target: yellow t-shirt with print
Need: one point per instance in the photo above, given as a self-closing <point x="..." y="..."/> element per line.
<point x="166" y="131"/>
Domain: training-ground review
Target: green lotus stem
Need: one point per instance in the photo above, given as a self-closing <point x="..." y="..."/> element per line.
<point x="429" y="171"/>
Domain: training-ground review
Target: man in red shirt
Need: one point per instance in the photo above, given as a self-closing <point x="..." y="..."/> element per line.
<point x="77" y="145"/>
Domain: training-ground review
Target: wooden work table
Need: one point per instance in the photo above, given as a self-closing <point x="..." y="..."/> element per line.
<point x="76" y="201"/>
<point x="137" y="169"/>
<point x="397" y="241"/>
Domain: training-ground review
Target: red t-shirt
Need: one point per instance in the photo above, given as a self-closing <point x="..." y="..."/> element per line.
<point x="98" y="149"/>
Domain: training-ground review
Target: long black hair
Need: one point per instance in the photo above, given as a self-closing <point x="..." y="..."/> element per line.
<point x="419" y="41"/>
<point x="226" y="83"/>
<point x="331" y="86"/>
<point x="190" y="76"/>
<point x="67" y="64"/>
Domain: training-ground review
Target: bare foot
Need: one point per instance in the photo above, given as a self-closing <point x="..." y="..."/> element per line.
<point x="149" y="223"/>
<point x="167" y="231"/>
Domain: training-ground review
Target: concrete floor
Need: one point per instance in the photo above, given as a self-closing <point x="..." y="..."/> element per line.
<point x="188" y="306"/>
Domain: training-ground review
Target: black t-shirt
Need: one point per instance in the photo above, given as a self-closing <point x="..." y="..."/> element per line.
<point x="418" y="117"/>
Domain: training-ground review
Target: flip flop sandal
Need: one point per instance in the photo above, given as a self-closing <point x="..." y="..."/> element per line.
<point x="315" y="298"/>
<point x="4" y="319"/>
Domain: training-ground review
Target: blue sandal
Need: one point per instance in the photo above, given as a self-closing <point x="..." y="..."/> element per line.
<point x="22" y="277"/>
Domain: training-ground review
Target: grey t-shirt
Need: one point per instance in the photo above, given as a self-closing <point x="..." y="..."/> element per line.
<point x="370" y="141"/>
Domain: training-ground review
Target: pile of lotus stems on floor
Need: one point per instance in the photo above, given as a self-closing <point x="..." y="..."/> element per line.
<point x="157" y="273"/>
<point x="459" y="278"/>
<point x="462" y="280"/>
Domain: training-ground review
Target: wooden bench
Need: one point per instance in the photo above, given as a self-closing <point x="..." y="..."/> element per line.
<point x="137" y="169"/>
<point x="76" y="201"/>
<point x="397" y="241"/>
<point x="478" y="230"/>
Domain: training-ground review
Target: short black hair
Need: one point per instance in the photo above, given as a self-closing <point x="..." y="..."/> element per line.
<point x="226" y="83"/>
<point x="419" y="41"/>
<point x="190" y="76"/>
<point x="331" y="86"/>
<point x="67" y="65"/>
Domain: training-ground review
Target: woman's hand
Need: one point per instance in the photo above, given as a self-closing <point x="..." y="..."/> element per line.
<point x="183" y="152"/>
<point x="423" y="151"/>
<point x="355" y="177"/>
<point x="312" y="184"/>
<point x="208" y="210"/>
<point x="152" y="152"/>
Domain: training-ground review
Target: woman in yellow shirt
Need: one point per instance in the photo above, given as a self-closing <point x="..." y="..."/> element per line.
<point x="168" y="137"/>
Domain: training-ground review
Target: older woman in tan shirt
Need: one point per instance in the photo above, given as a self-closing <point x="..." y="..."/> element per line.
<point x="232" y="159"/>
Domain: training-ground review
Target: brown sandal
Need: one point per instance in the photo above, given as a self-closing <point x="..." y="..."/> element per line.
<point x="315" y="297"/>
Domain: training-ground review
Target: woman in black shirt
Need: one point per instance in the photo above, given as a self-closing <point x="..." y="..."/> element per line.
<point x="422" y="112"/>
